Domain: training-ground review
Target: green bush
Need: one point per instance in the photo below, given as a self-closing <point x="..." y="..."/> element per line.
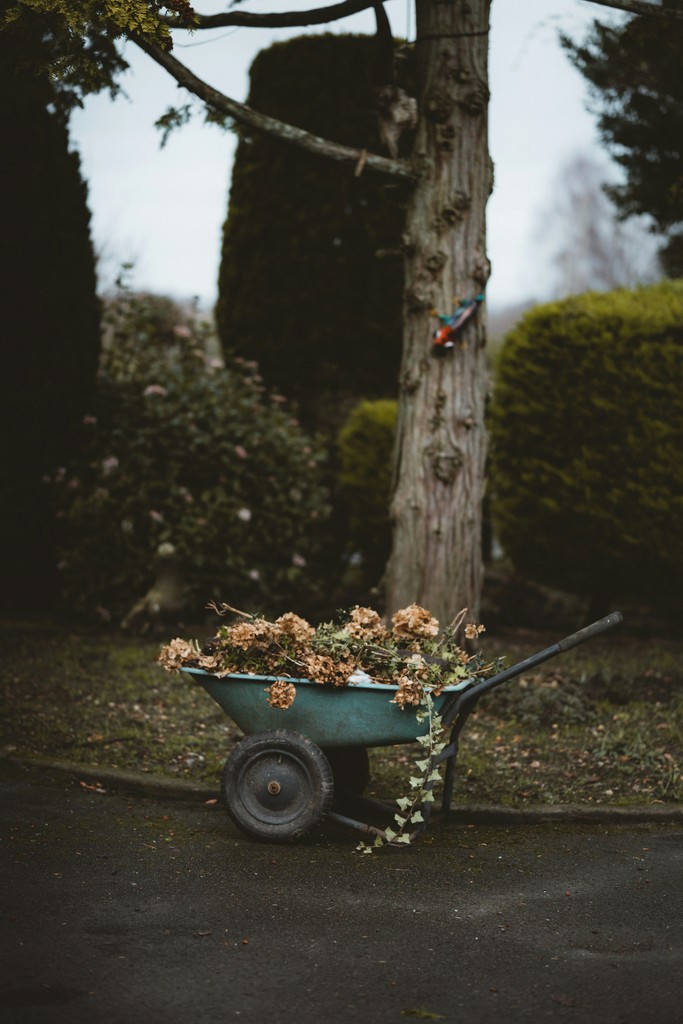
<point x="365" y="445"/>
<point x="182" y="449"/>
<point x="587" y="444"/>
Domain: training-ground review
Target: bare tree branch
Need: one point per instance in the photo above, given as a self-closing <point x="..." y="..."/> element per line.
<point x="284" y="19"/>
<point x="642" y="7"/>
<point x="263" y="123"/>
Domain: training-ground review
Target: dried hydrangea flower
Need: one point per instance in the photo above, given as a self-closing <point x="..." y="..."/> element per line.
<point x="215" y="664"/>
<point x="364" y="623"/>
<point x="472" y="631"/>
<point x="255" y="633"/>
<point x="294" y="626"/>
<point x="176" y="654"/>
<point x="281" y="694"/>
<point x="409" y="692"/>
<point x="414" y="621"/>
<point x="323" y="668"/>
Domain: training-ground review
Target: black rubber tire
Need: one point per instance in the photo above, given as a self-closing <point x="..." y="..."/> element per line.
<point x="350" y="769"/>
<point x="276" y="785"/>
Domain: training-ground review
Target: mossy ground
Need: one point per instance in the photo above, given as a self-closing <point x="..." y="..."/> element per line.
<point x="602" y="724"/>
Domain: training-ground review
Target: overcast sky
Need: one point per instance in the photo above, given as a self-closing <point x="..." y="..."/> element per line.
<point x="163" y="209"/>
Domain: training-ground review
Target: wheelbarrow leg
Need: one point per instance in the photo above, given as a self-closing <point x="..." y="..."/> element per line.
<point x="450" y="756"/>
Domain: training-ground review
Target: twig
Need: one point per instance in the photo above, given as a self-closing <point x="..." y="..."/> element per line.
<point x="225" y="608"/>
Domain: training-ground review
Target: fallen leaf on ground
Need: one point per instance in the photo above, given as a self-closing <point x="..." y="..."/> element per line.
<point x="96" y="787"/>
<point x="422" y="1014"/>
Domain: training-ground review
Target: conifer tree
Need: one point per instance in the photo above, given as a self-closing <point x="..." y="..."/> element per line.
<point x="50" y="313"/>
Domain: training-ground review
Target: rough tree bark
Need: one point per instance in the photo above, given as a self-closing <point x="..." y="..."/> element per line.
<point x="441" y="441"/>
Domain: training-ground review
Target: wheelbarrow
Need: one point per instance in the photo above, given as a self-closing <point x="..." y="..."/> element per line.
<point x="278" y="783"/>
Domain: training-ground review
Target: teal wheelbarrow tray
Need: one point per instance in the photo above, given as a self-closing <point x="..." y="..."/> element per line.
<point x="279" y="782"/>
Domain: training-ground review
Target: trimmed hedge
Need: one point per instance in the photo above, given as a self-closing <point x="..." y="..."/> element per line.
<point x="365" y="444"/>
<point x="587" y="443"/>
<point x="301" y="287"/>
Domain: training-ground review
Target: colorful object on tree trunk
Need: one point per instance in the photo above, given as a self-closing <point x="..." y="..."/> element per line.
<point x="452" y="325"/>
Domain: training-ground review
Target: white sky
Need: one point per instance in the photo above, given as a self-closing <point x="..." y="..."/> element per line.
<point x="163" y="209"/>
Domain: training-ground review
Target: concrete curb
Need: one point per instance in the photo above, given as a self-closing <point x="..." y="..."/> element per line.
<point x="158" y="786"/>
<point x="118" y="779"/>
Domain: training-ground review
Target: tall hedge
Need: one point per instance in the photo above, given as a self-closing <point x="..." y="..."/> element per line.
<point x="301" y="287"/>
<point x="587" y="443"/>
<point x="50" y="318"/>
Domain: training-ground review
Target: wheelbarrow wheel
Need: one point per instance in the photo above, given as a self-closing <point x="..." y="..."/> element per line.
<point x="276" y="785"/>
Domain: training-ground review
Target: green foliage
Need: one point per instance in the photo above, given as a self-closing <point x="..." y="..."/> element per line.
<point x="634" y="70"/>
<point x="302" y="289"/>
<point x="72" y="44"/>
<point x="183" y="450"/>
<point x="365" y="445"/>
<point x="587" y="443"/>
<point x="50" y="312"/>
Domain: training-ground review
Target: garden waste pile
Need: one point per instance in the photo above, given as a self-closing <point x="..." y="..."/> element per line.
<point x="413" y="653"/>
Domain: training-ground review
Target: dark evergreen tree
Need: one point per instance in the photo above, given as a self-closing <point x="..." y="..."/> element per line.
<point x="311" y="274"/>
<point x="50" y="314"/>
<point x="634" y="71"/>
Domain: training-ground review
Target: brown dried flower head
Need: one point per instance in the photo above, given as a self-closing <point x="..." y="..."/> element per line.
<point x="323" y="668"/>
<point x="409" y="692"/>
<point x="414" y="621"/>
<point x="255" y="633"/>
<point x="281" y="694"/>
<point x="364" y="623"/>
<point x="211" y="662"/>
<point x="472" y="631"/>
<point x="176" y="654"/>
<point x="294" y="626"/>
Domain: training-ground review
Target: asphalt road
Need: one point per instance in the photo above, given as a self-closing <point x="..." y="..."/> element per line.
<point x="120" y="910"/>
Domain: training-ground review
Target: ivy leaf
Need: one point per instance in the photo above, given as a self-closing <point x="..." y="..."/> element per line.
<point x="414" y="782"/>
<point x="435" y="776"/>
<point x="422" y="765"/>
<point x="389" y="834"/>
<point x="403" y="839"/>
<point x="417" y="816"/>
<point x="403" y="802"/>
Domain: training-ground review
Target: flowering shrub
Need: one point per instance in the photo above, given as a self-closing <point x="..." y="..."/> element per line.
<point x="185" y="450"/>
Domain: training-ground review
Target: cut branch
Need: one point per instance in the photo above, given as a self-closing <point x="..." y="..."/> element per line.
<point x="284" y="19"/>
<point x="642" y="7"/>
<point x="245" y="115"/>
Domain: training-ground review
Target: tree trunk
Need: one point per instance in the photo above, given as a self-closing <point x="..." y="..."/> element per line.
<point x="441" y="442"/>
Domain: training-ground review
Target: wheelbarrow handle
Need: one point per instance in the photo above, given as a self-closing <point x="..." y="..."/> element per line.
<point x="588" y="632"/>
<point x="467" y="698"/>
